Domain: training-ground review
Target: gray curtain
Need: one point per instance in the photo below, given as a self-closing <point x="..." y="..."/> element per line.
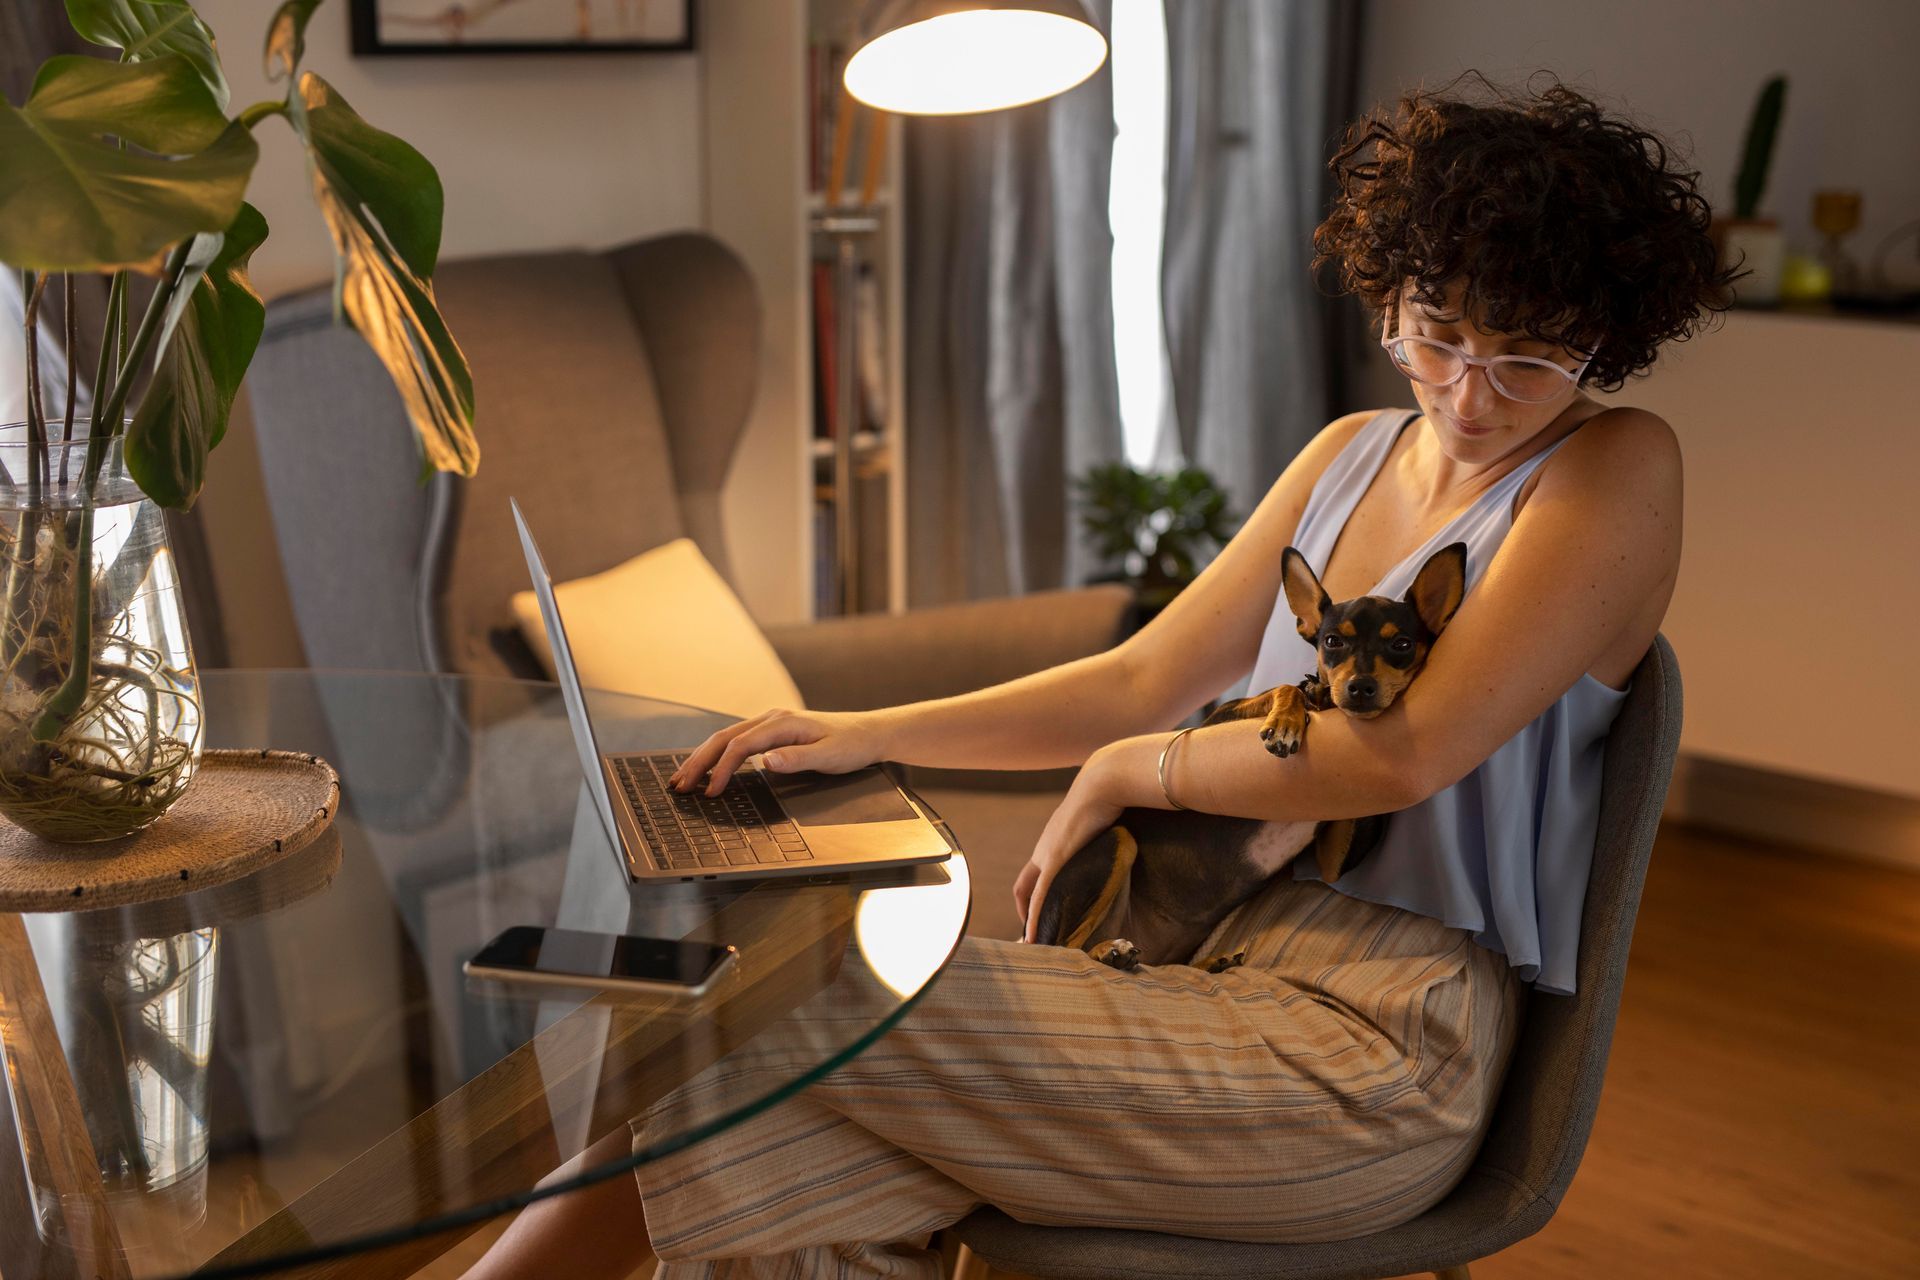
<point x="1257" y="93"/>
<point x="1011" y="389"/>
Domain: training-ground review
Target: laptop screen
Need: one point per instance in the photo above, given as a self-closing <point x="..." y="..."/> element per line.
<point x="569" y="679"/>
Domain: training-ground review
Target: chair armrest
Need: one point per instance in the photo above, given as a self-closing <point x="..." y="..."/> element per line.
<point x="881" y="660"/>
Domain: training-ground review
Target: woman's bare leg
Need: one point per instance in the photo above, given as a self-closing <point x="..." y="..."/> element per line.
<point x="597" y="1231"/>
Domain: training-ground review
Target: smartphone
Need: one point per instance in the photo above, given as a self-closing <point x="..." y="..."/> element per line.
<point x="573" y="958"/>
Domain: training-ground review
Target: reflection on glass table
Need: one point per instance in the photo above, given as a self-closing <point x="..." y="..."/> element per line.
<point x="294" y="1067"/>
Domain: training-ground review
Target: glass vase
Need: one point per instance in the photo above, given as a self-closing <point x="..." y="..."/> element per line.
<point x="99" y="701"/>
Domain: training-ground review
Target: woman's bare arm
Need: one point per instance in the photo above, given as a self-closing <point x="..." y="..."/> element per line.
<point x="1052" y="719"/>
<point x="1197" y="646"/>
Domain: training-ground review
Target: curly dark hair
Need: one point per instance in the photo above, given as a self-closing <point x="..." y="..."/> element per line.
<point x="1564" y="223"/>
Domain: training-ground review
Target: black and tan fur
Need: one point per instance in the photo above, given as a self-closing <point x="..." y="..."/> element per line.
<point x="1158" y="881"/>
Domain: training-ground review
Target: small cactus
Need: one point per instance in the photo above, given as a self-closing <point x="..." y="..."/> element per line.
<point x="1762" y="129"/>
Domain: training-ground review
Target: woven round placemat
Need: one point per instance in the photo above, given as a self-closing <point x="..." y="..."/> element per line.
<point x="244" y="810"/>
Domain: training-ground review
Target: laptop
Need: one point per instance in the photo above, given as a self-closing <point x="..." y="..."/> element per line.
<point x="762" y="824"/>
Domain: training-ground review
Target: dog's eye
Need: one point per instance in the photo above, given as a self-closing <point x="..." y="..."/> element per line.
<point x="1332" y="640"/>
<point x="1402" y="644"/>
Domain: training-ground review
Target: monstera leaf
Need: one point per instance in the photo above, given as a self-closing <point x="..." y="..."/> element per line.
<point x="211" y="328"/>
<point x="382" y="203"/>
<point x="72" y="200"/>
<point x="287" y="37"/>
<point x="146" y="29"/>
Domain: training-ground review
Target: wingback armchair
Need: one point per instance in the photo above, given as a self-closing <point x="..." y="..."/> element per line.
<point x="614" y="389"/>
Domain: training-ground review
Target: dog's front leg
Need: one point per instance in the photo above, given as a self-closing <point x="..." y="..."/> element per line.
<point x="1282" y="712"/>
<point x="1284" y="729"/>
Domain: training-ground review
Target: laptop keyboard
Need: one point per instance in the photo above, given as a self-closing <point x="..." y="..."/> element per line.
<point x="743" y="826"/>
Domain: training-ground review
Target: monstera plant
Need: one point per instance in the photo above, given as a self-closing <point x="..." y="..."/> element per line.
<point x="130" y="167"/>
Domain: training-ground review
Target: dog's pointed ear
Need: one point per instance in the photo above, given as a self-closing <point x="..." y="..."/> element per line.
<point x="1439" y="586"/>
<point x="1304" y="594"/>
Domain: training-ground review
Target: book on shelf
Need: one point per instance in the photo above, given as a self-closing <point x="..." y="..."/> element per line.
<point x="816" y="76"/>
<point x="869" y="372"/>
<point x="826" y="347"/>
<point x="869" y="348"/>
<point x="826" y="585"/>
<point x="846" y="142"/>
<point x="871" y="543"/>
<point x="870" y="554"/>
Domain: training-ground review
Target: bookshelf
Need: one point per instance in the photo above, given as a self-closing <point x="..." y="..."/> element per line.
<point x="856" y="440"/>
<point x="763" y="152"/>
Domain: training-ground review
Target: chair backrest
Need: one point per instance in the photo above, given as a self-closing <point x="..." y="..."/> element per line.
<point x="1540" y="1128"/>
<point x="611" y="392"/>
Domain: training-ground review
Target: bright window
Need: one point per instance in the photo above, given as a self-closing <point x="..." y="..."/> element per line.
<point x="1136" y="207"/>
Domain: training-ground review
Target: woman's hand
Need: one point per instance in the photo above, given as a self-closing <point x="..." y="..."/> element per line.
<point x="1087" y="810"/>
<point x="825" y="741"/>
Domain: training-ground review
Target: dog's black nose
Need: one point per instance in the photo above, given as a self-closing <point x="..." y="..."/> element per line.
<point x="1362" y="688"/>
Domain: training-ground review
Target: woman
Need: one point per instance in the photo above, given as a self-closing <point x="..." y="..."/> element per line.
<point x="1516" y="251"/>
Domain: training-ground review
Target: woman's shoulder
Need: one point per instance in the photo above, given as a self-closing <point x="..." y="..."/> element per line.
<point x="1330" y="442"/>
<point x="1337" y="434"/>
<point x="1626" y="461"/>
<point x="1290" y="492"/>
<point x="1622" y="447"/>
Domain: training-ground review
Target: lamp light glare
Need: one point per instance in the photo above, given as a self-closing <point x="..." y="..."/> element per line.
<point x="976" y="60"/>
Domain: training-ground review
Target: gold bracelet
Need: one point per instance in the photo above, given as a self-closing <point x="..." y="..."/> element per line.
<point x="1163" y="765"/>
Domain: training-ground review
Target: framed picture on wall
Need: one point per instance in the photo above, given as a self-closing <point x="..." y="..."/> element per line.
<point x="522" y="26"/>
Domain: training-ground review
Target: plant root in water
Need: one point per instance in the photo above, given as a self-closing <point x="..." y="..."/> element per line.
<point x="114" y="769"/>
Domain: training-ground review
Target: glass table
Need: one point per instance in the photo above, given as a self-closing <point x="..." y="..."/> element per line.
<point x="293" y="1067"/>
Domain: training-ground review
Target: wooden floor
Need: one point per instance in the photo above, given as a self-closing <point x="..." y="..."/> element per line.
<point x="1761" y="1116"/>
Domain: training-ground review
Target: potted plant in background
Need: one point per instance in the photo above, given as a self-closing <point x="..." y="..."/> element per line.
<point x="1748" y="240"/>
<point x="1157" y="526"/>
<point x="133" y="166"/>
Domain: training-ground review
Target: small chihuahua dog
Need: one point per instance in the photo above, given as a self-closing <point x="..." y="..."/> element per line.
<point x="1155" y="884"/>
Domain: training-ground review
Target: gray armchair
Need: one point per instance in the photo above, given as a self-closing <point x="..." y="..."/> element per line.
<point x="614" y="388"/>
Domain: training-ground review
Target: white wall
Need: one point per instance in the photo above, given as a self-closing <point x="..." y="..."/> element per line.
<point x="534" y="151"/>
<point x="755" y="174"/>
<point x="1796" y="598"/>
<point x="1691" y="70"/>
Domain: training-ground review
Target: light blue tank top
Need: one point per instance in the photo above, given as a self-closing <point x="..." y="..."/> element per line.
<point x="1504" y="852"/>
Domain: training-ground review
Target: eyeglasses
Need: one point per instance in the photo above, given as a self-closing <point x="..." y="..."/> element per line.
<point x="1441" y="364"/>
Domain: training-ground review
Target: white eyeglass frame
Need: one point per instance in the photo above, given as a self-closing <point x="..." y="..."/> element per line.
<point x="1491" y="364"/>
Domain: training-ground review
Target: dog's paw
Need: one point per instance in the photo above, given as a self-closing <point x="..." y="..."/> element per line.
<point x="1221" y="963"/>
<point x="1117" y="952"/>
<point x="1283" y="733"/>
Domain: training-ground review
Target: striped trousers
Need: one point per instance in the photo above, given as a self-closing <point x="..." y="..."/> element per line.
<point x="1338" y="1083"/>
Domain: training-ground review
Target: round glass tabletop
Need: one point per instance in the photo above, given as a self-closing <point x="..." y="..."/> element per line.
<point x="294" y="1066"/>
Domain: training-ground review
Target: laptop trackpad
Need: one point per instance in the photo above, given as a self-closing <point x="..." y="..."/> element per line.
<point x="837" y="799"/>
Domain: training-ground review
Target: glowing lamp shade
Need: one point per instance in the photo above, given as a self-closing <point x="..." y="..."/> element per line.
<point x="946" y="58"/>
